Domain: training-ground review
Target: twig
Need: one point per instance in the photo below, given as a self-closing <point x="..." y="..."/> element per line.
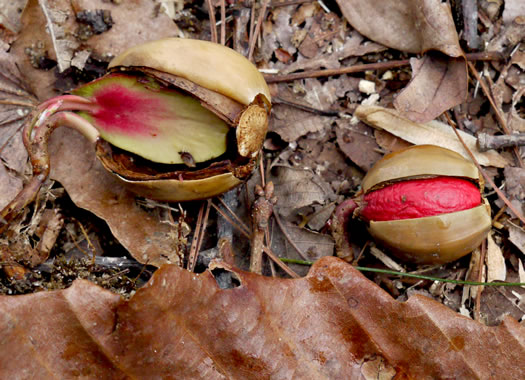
<point x="88" y="240"/>
<point x="266" y="250"/>
<point x="278" y="261"/>
<point x="288" y="237"/>
<point x="202" y="231"/>
<point x="288" y="3"/>
<point x="275" y="78"/>
<point x="262" y="210"/>
<point x="255" y="36"/>
<point x="213" y="26"/>
<point x="243" y="227"/>
<point x="470" y="20"/>
<point x="240" y="227"/>
<point x="277" y="100"/>
<point x="196" y="234"/>
<point x="252" y="25"/>
<point x="487" y="178"/>
<point x="223" y="22"/>
<point x="499" y="116"/>
<point x="486" y="142"/>
<point x="477" y="307"/>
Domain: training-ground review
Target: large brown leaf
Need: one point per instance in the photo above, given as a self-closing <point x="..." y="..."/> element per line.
<point x="332" y="324"/>
<point x="438" y="83"/>
<point x="414" y="26"/>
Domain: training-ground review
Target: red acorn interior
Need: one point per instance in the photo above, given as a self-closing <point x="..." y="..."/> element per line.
<point x="417" y="198"/>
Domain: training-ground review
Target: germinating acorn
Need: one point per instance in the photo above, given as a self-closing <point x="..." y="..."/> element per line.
<point x="175" y="119"/>
<point x="424" y="203"/>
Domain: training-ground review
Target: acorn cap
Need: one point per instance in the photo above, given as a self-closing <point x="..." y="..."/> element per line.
<point x="213" y="66"/>
<point x="419" y="161"/>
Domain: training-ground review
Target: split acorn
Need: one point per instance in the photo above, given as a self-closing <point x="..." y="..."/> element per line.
<point x="173" y="119"/>
<point x="424" y="203"/>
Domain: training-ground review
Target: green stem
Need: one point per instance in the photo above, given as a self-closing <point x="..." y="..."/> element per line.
<point x="418" y="276"/>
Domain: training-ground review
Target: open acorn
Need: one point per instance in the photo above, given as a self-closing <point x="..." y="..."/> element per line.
<point x="424" y="204"/>
<point x="173" y="120"/>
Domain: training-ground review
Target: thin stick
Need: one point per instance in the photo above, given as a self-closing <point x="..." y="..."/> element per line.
<point x="288" y="3"/>
<point x="88" y="240"/>
<point x="477" y="307"/>
<point x="288" y="237"/>
<point x="261" y="211"/>
<point x="252" y="23"/>
<point x="242" y="226"/>
<point x="499" y="116"/>
<point x="470" y="21"/>
<point x="487" y="178"/>
<point x="253" y="39"/>
<point x="273" y="78"/>
<point x="223" y="22"/>
<point x="266" y="250"/>
<point x="261" y="169"/>
<point x="201" y="236"/>
<point x="279" y="262"/>
<point x="213" y="22"/>
<point x="486" y="141"/>
<point x="302" y="107"/>
<point x="193" y="248"/>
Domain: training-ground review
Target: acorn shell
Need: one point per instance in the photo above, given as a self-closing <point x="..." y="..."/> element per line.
<point x="216" y="68"/>
<point x="170" y="190"/>
<point x="435" y="239"/>
<point x="212" y="66"/>
<point x="419" y="161"/>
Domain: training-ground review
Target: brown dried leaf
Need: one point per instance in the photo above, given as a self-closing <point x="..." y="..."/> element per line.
<point x="417" y="26"/>
<point x="434" y="133"/>
<point x="10" y="186"/>
<point x="357" y="143"/>
<point x="90" y="186"/>
<point x="123" y="34"/>
<point x="389" y="142"/>
<point x="497" y="302"/>
<point x="10" y="14"/>
<point x="515" y="187"/>
<point x="496" y="268"/>
<point x="515" y="183"/>
<point x="15" y="104"/>
<point x="517" y="237"/>
<point x="437" y="84"/>
<point x="154" y="24"/>
<point x="332" y="324"/>
<point x="296" y="188"/>
<point x="412" y="26"/>
<point x="292" y="123"/>
<point x="513" y="9"/>
<point x="312" y="244"/>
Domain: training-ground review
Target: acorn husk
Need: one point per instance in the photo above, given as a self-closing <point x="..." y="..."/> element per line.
<point x="232" y="88"/>
<point x="435" y="239"/>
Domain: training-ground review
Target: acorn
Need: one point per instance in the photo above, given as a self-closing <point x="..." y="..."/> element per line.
<point x="425" y="204"/>
<point x="174" y="119"/>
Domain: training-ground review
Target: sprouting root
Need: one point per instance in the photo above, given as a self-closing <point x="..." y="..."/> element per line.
<point x="45" y="119"/>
